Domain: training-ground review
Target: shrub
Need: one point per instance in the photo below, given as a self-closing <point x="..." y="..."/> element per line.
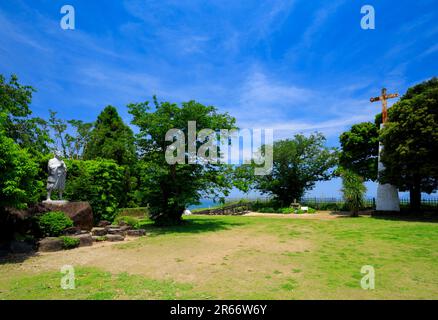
<point x="143" y="223"/>
<point x="353" y="191"/>
<point x="100" y="182"/>
<point x="101" y="238"/>
<point x="18" y="184"/>
<point x="69" y="242"/>
<point x="51" y="224"/>
<point x="131" y="221"/>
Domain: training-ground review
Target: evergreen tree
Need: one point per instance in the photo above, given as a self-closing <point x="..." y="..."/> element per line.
<point x="111" y="139"/>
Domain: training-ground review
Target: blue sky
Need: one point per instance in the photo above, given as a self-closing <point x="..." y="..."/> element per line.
<point x="295" y="66"/>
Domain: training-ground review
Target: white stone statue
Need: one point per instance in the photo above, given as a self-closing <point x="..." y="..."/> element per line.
<point x="57" y="174"/>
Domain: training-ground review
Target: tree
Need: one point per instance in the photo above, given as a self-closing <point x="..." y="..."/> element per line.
<point x="100" y="182"/>
<point x="18" y="183"/>
<point x="169" y="188"/>
<point x="111" y="139"/>
<point x="29" y="133"/>
<point x="298" y="164"/>
<point x="360" y="149"/>
<point x="410" y="140"/>
<point x="353" y="190"/>
<point x="59" y="126"/>
<point x="78" y="142"/>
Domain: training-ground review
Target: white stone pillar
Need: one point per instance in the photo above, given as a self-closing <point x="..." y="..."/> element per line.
<point x="387" y="194"/>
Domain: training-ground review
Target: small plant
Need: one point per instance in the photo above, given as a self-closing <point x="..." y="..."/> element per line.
<point x="288" y="210"/>
<point x="131" y="221"/>
<point x="69" y="242"/>
<point x="101" y="238"/>
<point x="51" y="224"/>
<point x="353" y="190"/>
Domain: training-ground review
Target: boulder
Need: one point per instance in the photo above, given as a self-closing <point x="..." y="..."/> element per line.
<point x="21" y="247"/>
<point x="115" y="237"/>
<point x="85" y="240"/>
<point x="71" y="231"/>
<point x="50" y="244"/>
<point x="98" y="231"/>
<point x="125" y="228"/>
<point x="80" y="212"/>
<point x="103" y="224"/>
<point x="136" y="233"/>
<point x="116" y="231"/>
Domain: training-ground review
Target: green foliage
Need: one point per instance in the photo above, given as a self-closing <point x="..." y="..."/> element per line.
<point x="141" y="212"/>
<point x="111" y="139"/>
<point x="52" y="224"/>
<point x="70" y="242"/>
<point x="353" y="191"/>
<point x="131" y="221"/>
<point x="298" y="164"/>
<point x="410" y="140"/>
<point x="18" y="183"/>
<point x="169" y="189"/>
<point x="99" y="182"/>
<point x="360" y="149"/>
<point x="29" y="133"/>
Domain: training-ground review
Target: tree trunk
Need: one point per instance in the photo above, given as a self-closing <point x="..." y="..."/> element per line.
<point x="415" y="198"/>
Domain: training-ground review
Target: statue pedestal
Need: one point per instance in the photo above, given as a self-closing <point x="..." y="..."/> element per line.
<point x="80" y="212"/>
<point x="387" y="194"/>
<point x="387" y="198"/>
<point x="56" y="202"/>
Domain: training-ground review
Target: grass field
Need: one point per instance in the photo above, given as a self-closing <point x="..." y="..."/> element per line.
<point x="224" y="257"/>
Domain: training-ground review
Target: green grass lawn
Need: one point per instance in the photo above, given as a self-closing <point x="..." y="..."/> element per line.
<point x="234" y="257"/>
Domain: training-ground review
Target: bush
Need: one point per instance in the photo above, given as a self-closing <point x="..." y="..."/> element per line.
<point x="69" y="242"/>
<point x="51" y="224"/>
<point x="131" y="221"/>
<point x="100" y="182"/>
<point x="353" y="191"/>
<point x="140" y="212"/>
<point x="18" y="184"/>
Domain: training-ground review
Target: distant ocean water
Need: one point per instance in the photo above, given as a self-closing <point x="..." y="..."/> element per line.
<point x="205" y="203"/>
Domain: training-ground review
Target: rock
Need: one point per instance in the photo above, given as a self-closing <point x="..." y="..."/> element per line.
<point x="99" y="238"/>
<point x="85" y="240"/>
<point x="115" y="237"/>
<point x="98" y="231"/>
<point x="116" y="231"/>
<point x="122" y="223"/>
<point x="71" y="231"/>
<point x="21" y="247"/>
<point x="125" y="228"/>
<point x="80" y="212"/>
<point x="103" y="224"/>
<point x="50" y="244"/>
<point x="136" y="233"/>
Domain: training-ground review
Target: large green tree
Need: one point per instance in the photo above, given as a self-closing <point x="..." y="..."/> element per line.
<point x="360" y="149"/>
<point x="110" y="139"/>
<point x="29" y="132"/>
<point x="169" y="188"/>
<point x="410" y="140"/>
<point x="298" y="164"/>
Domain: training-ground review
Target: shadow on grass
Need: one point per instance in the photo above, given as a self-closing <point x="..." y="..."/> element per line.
<point x="13" y="258"/>
<point x="193" y="225"/>
<point x="407" y="216"/>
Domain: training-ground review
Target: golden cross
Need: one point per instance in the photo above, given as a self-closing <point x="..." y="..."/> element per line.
<point x="384" y="97"/>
